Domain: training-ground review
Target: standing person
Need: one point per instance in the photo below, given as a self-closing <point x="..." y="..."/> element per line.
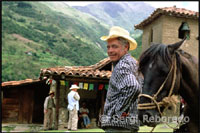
<point x="48" y="111"/>
<point x="120" y="109"/>
<point x="73" y="107"/>
<point x="84" y="114"/>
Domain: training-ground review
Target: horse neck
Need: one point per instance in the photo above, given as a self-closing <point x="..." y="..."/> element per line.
<point x="189" y="88"/>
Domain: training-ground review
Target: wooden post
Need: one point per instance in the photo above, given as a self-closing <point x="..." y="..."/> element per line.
<point x="57" y="105"/>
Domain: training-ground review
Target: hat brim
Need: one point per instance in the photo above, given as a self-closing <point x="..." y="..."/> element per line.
<point x="73" y="88"/>
<point x="132" y="42"/>
<point x="51" y="93"/>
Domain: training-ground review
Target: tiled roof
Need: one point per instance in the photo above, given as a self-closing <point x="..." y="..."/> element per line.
<point x="15" y="83"/>
<point x="80" y="71"/>
<point x="170" y="11"/>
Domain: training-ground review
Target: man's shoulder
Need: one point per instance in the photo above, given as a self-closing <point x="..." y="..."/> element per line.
<point x="47" y="98"/>
<point x="70" y="93"/>
<point x="128" y="61"/>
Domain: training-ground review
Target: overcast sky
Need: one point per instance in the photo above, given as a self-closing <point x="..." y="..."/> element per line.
<point x="190" y="5"/>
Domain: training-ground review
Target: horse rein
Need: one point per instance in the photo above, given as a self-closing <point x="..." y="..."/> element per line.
<point x="154" y="97"/>
<point x="156" y="104"/>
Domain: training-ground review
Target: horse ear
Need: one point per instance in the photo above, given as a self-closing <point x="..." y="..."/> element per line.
<point x="173" y="47"/>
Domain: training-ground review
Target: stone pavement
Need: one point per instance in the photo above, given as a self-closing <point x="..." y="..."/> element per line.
<point x="12" y="127"/>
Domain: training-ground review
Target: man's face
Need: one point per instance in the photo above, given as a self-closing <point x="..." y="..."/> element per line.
<point x="74" y="89"/>
<point x="115" y="49"/>
<point x="52" y="95"/>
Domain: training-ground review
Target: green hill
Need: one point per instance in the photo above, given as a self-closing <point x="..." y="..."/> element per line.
<point x="39" y="35"/>
<point x="35" y="37"/>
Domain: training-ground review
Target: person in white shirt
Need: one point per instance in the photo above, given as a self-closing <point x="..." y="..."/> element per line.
<point x="73" y="107"/>
<point x="84" y="114"/>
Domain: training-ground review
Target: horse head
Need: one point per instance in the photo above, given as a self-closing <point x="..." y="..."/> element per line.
<point x="158" y="64"/>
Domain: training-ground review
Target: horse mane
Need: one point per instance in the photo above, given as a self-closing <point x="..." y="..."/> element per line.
<point x="187" y="78"/>
<point x="161" y="50"/>
<point x="152" y="53"/>
<point x="188" y="56"/>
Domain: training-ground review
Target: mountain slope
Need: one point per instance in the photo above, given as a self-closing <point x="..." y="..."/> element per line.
<point x="39" y="35"/>
<point x="124" y="14"/>
<point x="34" y="36"/>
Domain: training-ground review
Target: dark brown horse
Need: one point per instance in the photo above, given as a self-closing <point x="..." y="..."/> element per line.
<point x="167" y="70"/>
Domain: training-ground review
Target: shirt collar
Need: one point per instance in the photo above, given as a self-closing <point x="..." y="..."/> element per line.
<point x="124" y="56"/>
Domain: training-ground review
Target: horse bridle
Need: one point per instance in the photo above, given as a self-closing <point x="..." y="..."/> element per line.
<point x="155" y="104"/>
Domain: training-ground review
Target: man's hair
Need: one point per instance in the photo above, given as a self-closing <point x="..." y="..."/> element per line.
<point x="123" y="41"/>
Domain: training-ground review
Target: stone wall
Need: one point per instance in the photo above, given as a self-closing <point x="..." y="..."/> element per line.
<point x="166" y="30"/>
<point x="171" y="30"/>
<point x="156" y="26"/>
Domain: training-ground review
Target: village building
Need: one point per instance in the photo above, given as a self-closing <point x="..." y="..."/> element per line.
<point x="169" y="25"/>
<point x="23" y="100"/>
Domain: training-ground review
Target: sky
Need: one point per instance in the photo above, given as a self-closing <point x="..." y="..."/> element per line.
<point x="190" y="5"/>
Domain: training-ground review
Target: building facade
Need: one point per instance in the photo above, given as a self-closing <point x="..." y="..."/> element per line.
<point x="169" y="25"/>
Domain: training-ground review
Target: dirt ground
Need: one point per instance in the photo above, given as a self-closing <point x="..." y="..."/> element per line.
<point x="13" y="127"/>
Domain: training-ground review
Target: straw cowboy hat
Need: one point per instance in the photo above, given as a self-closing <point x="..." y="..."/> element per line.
<point x="117" y="31"/>
<point x="74" y="87"/>
<point x="51" y="92"/>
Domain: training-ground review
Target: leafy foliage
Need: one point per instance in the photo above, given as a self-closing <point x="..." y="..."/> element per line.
<point x="35" y="36"/>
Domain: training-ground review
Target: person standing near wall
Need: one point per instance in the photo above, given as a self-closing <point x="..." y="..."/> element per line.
<point x="48" y="111"/>
<point x="73" y="107"/>
<point x="125" y="84"/>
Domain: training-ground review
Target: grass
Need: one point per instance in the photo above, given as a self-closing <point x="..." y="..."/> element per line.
<point x="79" y="130"/>
<point x="159" y="128"/>
<point x="8" y="128"/>
<point x="38" y="128"/>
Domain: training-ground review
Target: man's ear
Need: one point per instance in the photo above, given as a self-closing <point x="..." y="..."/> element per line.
<point x="173" y="47"/>
<point x="127" y="47"/>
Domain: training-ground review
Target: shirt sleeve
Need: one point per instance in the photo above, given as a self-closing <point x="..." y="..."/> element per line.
<point x="76" y="96"/>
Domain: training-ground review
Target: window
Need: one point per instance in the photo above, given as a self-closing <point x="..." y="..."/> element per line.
<point x="151" y="36"/>
<point x="184" y="31"/>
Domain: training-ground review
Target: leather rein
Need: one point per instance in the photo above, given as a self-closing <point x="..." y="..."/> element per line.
<point x="156" y="104"/>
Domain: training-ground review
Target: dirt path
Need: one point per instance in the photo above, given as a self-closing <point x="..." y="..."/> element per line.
<point x="11" y="127"/>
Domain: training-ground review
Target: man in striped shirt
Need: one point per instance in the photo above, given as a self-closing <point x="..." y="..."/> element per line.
<point x="120" y="109"/>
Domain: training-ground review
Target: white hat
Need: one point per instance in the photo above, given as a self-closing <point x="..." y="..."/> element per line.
<point x="74" y="86"/>
<point x="51" y="92"/>
<point x="117" y="31"/>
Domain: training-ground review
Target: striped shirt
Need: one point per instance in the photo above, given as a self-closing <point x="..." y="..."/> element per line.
<point x="124" y="87"/>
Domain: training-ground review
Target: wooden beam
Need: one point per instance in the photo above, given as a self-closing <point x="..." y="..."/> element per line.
<point x="76" y="79"/>
<point x="57" y="105"/>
